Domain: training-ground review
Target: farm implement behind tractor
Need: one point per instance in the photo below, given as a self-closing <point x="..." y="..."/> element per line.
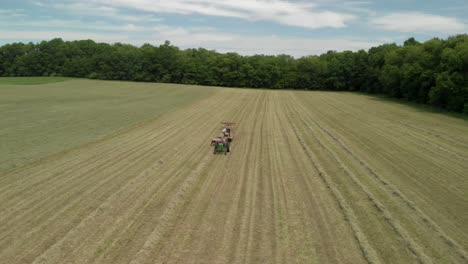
<point x="222" y="143"/>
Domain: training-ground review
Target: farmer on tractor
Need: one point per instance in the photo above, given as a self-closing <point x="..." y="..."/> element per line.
<point x="227" y="131"/>
<point x="222" y="143"/>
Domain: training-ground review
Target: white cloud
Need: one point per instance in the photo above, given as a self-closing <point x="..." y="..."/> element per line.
<point x="204" y="37"/>
<point x="280" y="11"/>
<point x="346" y="5"/>
<point x="9" y="35"/>
<point x="12" y="13"/>
<point x="97" y="10"/>
<point x="40" y="4"/>
<point x="357" y="7"/>
<point x="273" y="45"/>
<point x="49" y="23"/>
<point x="250" y="45"/>
<point x="418" y="22"/>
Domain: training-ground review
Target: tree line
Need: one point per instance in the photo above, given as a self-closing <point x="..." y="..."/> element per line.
<point x="434" y="72"/>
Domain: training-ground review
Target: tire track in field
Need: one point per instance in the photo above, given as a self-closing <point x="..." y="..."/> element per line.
<point x="248" y="192"/>
<point x="199" y="208"/>
<point x="287" y="189"/>
<point x="137" y="194"/>
<point x="91" y="176"/>
<point x="392" y="190"/>
<point x="367" y="250"/>
<point x="236" y="214"/>
<point x="388" y="217"/>
<point x="286" y="192"/>
<point x="56" y="157"/>
<point x="439" y="182"/>
<point x="218" y="222"/>
<point x="170" y="214"/>
<point x="189" y="151"/>
<point x="201" y="147"/>
<point x="86" y="163"/>
<point x="412" y="132"/>
<point x="418" y="224"/>
<point x="134" y="192"/>
<point x="309" y="193"/>
<point x="71" y="186"/>
<point x="304" y="220"/>
<point x="202" y="213"/>
<point x="90" y="201"/>
<point x="255" y="192"/>
<point x="292" y="191"/>
<point x="428" y="125"/>
<point x="403" y="129"/>
<point x="425" y="146"/>
<point x="258" y="228"/>
<point x="84" y="158"/>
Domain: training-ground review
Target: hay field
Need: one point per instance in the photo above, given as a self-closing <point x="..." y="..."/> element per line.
<point x="312" y="177"/>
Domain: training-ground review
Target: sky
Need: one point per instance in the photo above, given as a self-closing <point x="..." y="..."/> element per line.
<point x="297" y="28"/>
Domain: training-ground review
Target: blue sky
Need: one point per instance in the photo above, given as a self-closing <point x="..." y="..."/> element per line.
<point x="245" y="26"/>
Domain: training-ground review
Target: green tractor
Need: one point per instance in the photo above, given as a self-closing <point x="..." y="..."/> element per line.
<point x="221" y="147"/>
<point x="222" y="143"/>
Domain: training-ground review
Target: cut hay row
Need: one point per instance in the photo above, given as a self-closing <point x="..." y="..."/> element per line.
<point x="365" y="246"/>
<point x="393" y="190"/>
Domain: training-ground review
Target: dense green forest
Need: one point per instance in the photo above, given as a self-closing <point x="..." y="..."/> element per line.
<point x="434" y="72"/>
